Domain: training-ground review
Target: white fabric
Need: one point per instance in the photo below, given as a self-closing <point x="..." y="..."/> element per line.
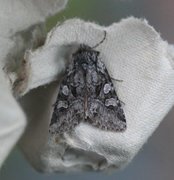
<point x="12" y="120"/>
<point x="18" y="19"/>
<point x="133" y="52"/>
<point x="17" y="15"/>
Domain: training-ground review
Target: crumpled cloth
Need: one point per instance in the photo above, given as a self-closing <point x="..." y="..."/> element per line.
<point x="22" y="27"/>
<point x="132" y="52"/>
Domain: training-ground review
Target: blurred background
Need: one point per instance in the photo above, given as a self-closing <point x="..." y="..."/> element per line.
<point x="156" y="159"/>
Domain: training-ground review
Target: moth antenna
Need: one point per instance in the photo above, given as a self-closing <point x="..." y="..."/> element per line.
<point x="100" y="41"/>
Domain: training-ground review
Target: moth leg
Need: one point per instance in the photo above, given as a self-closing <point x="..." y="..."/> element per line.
<point x="118" y="80"/>
<point x="122" y="103"/>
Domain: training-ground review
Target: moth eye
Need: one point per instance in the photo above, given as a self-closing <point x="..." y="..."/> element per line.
<point x="65" y="90"/>
<point x="107" y="88"/>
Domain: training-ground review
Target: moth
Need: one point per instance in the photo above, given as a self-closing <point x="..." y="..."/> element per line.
<point x="87" y="95"/>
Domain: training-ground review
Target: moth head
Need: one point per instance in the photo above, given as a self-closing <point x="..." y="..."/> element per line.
<point x="85" y="56"/>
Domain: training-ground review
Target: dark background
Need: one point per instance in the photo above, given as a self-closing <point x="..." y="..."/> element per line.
<point x="156" y="159"/>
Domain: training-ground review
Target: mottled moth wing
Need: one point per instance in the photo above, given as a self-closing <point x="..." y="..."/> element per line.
<point x="87" y="95"/>
<point x="68" y="108"/>
<point x="104" y="107"/>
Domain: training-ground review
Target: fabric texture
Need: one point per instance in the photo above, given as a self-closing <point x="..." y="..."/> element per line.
<point x="22" y="27"/>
